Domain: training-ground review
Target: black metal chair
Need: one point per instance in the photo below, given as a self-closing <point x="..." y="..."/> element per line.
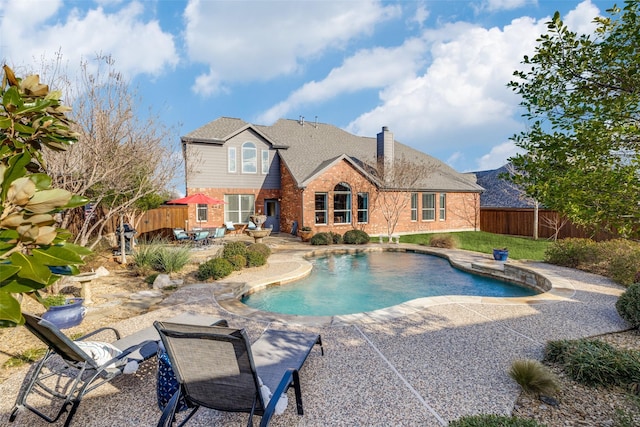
<point x="65" y="359"/>
<point x="217" y="368"/>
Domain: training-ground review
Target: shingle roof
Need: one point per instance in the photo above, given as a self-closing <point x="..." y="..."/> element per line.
<point x="310" y="146"/>
<point x="218" y="130"/>
<point x="500" y="193"/>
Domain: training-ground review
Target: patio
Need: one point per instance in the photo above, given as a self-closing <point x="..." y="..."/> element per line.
<point x="422" y="363"/>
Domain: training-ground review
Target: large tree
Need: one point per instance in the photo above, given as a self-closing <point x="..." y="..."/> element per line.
<point x="122" y="158"/>
<point x="581" y="94"/>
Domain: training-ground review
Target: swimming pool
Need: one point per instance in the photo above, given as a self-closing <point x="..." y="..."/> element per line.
<point x="366" y="281"/>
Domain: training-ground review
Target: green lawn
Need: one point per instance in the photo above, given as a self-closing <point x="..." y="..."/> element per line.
<point x="480" y="241"/>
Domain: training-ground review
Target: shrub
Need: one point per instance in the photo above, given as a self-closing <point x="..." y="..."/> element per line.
<point x="594" y="362"/>
<point x="215" y="268"/>
<point x="355" y="237"/>
<point x="443" y="241"/>
<point x="628" y="305"/>
<point x="321" y="239"/>
<point x="621" y="258"/>
<point x="335" y="238"/>
<point x="145" y="257"/>
<point x="238" y="262"/>
<point x="491" y="420"/>
<point x="260" y="247"/>
<point x="572" y="252"/>
<point x="534" y="377"/>
<point x="255" y="259"/>
<point x="171" y="260"/>
<point x="234" y="248"/>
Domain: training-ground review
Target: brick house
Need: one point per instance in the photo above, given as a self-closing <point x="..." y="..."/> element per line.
<point x="317" y="175"/>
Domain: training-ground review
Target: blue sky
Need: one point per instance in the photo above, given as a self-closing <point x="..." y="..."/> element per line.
<point x="434" y="72"/>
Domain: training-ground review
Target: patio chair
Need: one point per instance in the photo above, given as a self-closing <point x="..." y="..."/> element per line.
<point x="181" y="235"/>
<point x="71" y="369"/>
<point x="217" y="235"/>
<point x="217" y="368"/>
<point x="201" y="237"/>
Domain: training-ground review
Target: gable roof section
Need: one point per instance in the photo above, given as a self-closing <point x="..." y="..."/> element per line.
<point x="313" y="144"/>
<point x="330" y="162"/>
<point x="221" y="130"/>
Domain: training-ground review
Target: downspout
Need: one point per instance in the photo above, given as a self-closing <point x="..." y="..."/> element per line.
<point x="301" y="211"/>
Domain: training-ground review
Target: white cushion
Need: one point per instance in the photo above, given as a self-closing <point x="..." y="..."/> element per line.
<point x="99" y="351"/>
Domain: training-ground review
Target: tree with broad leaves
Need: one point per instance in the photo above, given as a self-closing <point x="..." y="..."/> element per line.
<point x="32" y="118"/>
<point x="581" y="95"/>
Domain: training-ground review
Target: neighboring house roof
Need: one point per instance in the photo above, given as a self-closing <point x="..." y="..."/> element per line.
<point x="500" y="193"/>
<point x="307" y="148"/>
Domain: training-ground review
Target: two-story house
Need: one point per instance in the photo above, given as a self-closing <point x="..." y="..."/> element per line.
<point x="317" y="175"/>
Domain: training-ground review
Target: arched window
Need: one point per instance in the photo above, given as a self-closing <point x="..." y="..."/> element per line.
<point x="249" y="158"/>
<point x="342" y="204"/>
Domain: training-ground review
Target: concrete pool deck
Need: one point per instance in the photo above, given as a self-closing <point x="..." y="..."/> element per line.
<point x="424" y="363"/>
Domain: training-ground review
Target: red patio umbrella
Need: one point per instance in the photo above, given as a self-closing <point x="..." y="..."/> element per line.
<point x="199" y="198"/>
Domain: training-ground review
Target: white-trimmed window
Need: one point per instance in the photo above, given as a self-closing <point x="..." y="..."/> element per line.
<point x="265" y="162"/>
<point x="342" y="204"/>
<point x="443" y="206"/>
<point x="363" y="208"/>
<point x="239" y="207"/>
<point x="232" y="166"/>
<point x="249" y="158"/>
<point x="414" y="206"/>
<point x="202" y="213"/>
<point x="428" y="206"/>
<point x="321" y="208"/>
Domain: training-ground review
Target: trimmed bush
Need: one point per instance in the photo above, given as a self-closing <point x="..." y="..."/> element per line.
<point x="321" y="239"/>
<point x="572" y="252"/>
<point x="260" y="247"/>
<point x="624" y="269"/>
<point x="355" y="237"/>
<point x="491" y="420"/>
<point x="628" y="305"/>
<point x="255" y="259"/>
<point x="336" y="238"/>
<point x="237" y="261"/>
<point x="443" y="241"/>
<point x="234" y="248"/>
<point x="534" y="377"/>
<point x="215" y="268"/>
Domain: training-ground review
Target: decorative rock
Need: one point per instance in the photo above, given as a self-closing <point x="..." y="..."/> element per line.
<point x="102" y="272"/>
<point x="146" y="294"/>
<point x="164" y="281"/>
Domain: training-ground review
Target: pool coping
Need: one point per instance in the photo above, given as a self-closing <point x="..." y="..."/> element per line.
<point x="229" y="292"/>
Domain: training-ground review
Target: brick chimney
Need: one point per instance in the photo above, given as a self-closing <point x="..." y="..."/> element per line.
<point x="384" y="153"/>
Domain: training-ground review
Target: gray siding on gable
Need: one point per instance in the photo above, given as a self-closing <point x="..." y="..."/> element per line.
<point x="211" y="170"/>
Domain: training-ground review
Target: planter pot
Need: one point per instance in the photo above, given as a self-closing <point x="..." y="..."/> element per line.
<point x="68" y="315"/>
<point x="500" y="254"/>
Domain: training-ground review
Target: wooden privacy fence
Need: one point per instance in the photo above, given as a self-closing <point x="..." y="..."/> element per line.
<point x="157" y="221"/>
<point x="519" y="222"/>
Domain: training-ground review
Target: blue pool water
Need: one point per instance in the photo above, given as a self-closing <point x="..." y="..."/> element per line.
<point x="353" y="283"/>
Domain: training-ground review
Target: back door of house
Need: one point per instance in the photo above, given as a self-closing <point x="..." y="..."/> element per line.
<point x="272" y="211"/>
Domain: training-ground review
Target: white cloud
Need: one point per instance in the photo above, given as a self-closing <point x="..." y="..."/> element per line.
<point x="498" y="156"/>
<point x="243" y="41"/>
<point x="32" y="31"/>
<point x="581" y="18"/>
<point x="366" y="69"/>
<point x="494" y="5"/>
<point x="463" y="88"/>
